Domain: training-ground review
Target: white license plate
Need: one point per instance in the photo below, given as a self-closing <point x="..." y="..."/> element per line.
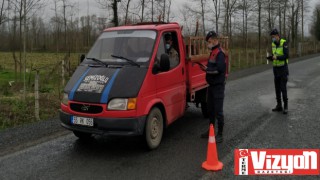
<point x="84" y="121"/>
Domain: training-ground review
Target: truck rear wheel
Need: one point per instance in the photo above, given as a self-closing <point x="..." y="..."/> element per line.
<point x="204" y="109"/>
<point x="154" y="128"/>
<point x="82" y="135"/>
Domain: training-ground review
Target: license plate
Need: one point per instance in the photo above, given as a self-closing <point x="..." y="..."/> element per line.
<point x="84" y="121"/>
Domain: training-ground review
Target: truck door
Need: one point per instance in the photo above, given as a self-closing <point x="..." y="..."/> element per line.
<point x="171" y="85"/>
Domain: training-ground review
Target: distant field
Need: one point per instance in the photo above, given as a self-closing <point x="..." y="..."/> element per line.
<point x="16" y="111"/>
<point x="36" y="59"/>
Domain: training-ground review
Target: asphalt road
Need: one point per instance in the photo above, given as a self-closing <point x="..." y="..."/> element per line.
<point x="249" y="124"/>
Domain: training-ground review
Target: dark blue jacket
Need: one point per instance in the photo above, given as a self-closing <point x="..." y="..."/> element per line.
<point x="216" y="68"/>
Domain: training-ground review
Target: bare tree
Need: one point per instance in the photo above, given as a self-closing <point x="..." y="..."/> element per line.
<point x="3" y="17"/>
<point x="169" y="10"/>
<point x="315" y="29"/>
<point x="302" y="25"/>
<point x="113" y="4"/>
<point x="304" y="7"/>
<point x="152" y="10"/>
<point x="217" y="10"/>
<point x="247" y="7"/>
<point x="294" y="19"/>
<point x="57" y="24"/>
<point x="202" y="16"/>
<point x="127" y="11"/>
<point x="284" y="18"/>
<point x="259" y="8"/>
<point x="230" y="8"/>
<point x="142" y="9"/>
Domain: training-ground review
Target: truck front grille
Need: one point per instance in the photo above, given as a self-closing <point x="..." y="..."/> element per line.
<point x="86" y="108"/>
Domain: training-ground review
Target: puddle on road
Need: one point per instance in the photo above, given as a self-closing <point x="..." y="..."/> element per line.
<point x="291" y="84"/>
<point x="269" y="100"/>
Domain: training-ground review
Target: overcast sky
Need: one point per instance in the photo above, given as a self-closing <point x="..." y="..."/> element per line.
<point x="95" y="8"/>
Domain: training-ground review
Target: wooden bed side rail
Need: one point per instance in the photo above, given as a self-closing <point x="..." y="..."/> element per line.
<point x="196" y="47"/>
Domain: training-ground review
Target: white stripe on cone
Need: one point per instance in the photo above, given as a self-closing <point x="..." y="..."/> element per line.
<point x="212" y="139"/>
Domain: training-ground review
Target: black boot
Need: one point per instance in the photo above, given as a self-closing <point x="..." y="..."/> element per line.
<point x="278" y="108"/>
<point x="219" y="137"/>
<point x="205" y="134"/>
<point x="285" y="110"/>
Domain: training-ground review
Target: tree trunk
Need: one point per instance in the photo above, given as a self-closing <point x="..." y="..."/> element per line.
<point x="1" y="13"/>
<point x="202" y="14"/>
<point x="164" y="10"/>
<point x="280" y="29"/>
<point x="259" y="24"/>
<point x="169" y="9"/>
<point x="152" y="1"/>
<point x="127" y="10"/>
<point x="284" y="18"/>
<point x="115" y="13"/>
<point x="302" y="24"/>
<point x="24" y="48"/>
<point x="292" y="26"/>
<point x="20" y="39"/>
<point x="142" y="13"/>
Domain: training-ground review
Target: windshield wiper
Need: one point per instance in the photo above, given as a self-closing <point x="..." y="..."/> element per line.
<point x="129" y="60"/>
<point x="98" y="60"/>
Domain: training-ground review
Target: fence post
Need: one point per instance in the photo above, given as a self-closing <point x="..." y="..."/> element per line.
<point x="247" y="59"/>
<point x="36" y="96"/>
<point x="239" y="60"/>
<point x="254" y="58"/>
<point x="299" y="49"/>
<point x="230" y="60"/>
<point x="62" y="72"/>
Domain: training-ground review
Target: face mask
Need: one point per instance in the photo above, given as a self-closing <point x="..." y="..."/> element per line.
<point x="168" y="46"/>
<point x="210" y="46"/>
<point x="274" y="40"/>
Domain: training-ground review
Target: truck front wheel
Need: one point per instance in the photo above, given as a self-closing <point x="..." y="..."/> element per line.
<point x="154" y="128"/>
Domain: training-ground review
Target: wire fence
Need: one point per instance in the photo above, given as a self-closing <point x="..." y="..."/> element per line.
<point x="241" y="59"/>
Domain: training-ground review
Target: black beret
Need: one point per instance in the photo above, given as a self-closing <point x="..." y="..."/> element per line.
<point x="274" y="32"/>
<point x="211" y="34"/>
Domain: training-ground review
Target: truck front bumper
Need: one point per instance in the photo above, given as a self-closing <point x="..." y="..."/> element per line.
<point x="107" y="126"/>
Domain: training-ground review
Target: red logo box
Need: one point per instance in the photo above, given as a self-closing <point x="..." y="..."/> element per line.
<point x="276" y="162"/>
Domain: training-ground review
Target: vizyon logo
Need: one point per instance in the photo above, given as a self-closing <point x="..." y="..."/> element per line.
<point x="276" y="162"/>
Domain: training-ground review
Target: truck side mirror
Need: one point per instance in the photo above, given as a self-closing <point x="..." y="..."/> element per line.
<point x="164" y="63"/>
<point x="82" y="57"/>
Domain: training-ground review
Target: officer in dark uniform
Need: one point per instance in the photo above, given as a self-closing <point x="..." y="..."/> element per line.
<point x="279" y="58"/>
<point x="215" y="77"/>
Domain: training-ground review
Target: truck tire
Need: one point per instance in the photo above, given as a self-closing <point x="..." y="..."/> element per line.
<point x="204" y="109"/>
<point x="154" y="128"/>
<point x="82" y="135"/>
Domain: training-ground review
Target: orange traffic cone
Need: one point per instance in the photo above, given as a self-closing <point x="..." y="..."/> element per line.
<point x="212" y="162"/>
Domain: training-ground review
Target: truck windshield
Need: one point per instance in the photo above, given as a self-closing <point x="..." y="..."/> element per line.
<point x="136" y="45"/>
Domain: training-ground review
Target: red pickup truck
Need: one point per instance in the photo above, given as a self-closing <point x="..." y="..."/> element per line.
<point x="128" y="85"/>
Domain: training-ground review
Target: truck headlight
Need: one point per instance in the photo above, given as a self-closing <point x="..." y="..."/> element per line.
<point x="122" y="104"/>
<point x="65" y="99"/>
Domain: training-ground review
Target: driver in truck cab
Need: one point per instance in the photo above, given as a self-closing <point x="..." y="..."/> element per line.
<point x="173" y="54"/>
